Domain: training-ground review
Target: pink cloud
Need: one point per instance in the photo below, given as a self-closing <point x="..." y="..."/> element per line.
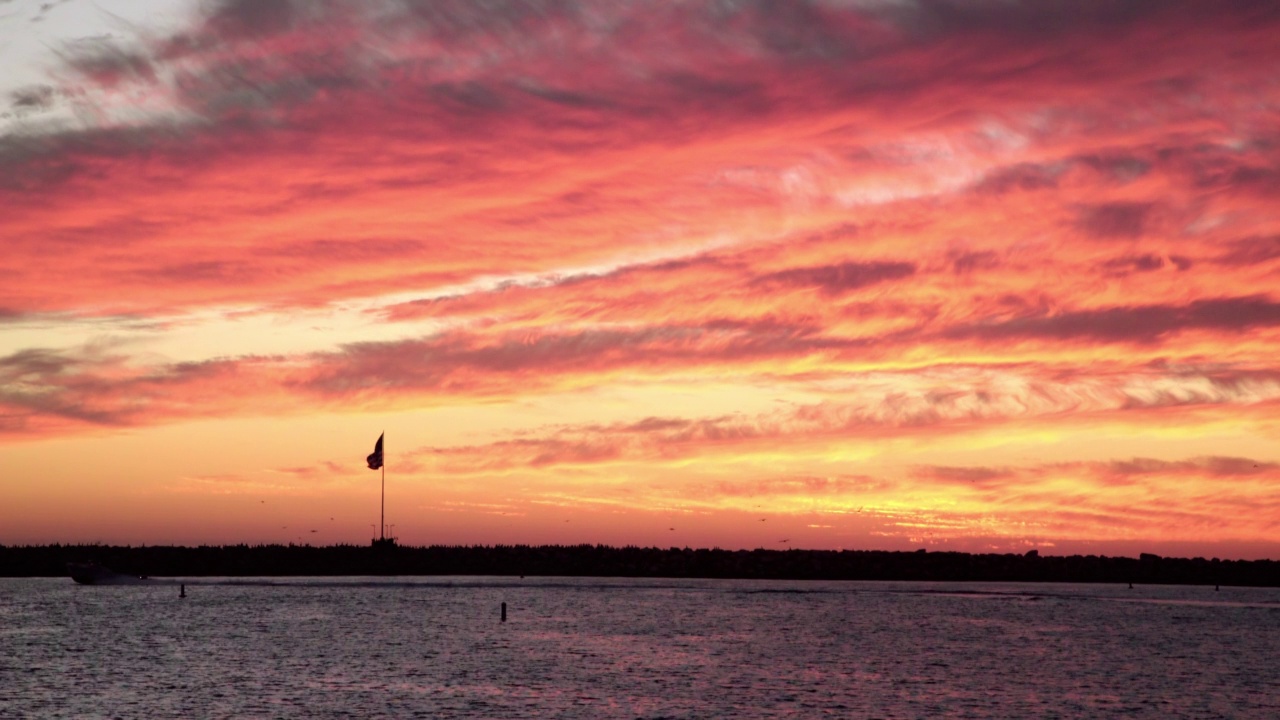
<point x="925" y="219"/>
<point x="458" y="110"/>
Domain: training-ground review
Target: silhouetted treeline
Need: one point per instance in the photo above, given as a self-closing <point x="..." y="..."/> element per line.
<point x="605" y="561"/>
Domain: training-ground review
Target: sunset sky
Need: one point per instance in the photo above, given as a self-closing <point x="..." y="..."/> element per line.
<point x="864" y="274"/>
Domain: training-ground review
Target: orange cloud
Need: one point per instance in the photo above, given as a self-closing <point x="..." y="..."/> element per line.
<point x="927" y="224"/>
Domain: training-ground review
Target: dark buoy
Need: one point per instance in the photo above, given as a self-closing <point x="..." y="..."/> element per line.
<point x="182" y="591"/>
<point x="504" y="612"/>
<point x="1130" y="586"/>
<point x="1216" y="588"/>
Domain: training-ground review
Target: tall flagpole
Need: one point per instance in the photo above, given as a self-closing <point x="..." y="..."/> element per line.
<point x="383" y="533"/>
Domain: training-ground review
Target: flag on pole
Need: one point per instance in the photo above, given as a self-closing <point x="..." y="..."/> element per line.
<point x="375" y="459"/>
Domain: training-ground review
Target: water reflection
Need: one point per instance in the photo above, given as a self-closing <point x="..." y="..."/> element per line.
<point x="650" y="648"/>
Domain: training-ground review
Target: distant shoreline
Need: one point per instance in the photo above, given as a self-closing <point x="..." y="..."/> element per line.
<point x="607" y="561"/>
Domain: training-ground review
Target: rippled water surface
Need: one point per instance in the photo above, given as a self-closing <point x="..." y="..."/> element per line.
<point x="591" y="648"/>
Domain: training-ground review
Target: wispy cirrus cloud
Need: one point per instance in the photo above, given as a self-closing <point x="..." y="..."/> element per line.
<point x="93" y="386"/>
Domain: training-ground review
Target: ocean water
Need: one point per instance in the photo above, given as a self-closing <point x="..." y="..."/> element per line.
<point x="613" y="648"/>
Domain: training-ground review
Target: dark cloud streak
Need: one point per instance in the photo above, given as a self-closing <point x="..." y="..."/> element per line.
<point x="1114" y="220"/>
<point x="838" y="279"/>
<point x="1139" y="324"/>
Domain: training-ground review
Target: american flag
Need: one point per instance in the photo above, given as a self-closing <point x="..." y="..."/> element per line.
<point x="375" y="458"/>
